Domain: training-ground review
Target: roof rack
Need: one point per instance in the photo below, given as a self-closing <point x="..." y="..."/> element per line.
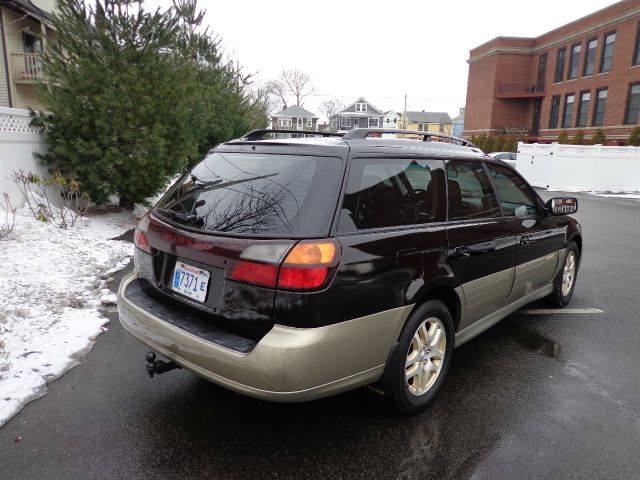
<point x="362" y="133"/>
<point x="259" y="134"/>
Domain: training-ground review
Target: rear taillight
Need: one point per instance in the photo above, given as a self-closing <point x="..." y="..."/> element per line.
<point x="307" y="266"/>
<point x="140" y="235"/>
<point x="255" y="273"/>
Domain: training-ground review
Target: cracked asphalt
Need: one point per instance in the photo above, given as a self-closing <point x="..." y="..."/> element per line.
<point x="536" y="396"/>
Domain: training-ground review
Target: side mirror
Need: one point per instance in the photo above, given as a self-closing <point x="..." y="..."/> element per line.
<point x="562" y="205"/>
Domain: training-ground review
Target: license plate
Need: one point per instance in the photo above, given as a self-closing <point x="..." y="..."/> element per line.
<point x="190" y="281"/>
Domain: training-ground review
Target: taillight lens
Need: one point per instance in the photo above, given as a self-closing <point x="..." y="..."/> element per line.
<point x="140" y="235"/>
<point x="255" y="273"/>
<point x="307" y="266"/>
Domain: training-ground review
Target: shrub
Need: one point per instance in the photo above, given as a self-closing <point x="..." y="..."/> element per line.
<point x="599" y="138"/>
<point x="634" y="138"/>
<point x="578" y="138"/>
<point x="55" y="199"/>
<point x="7" y="216"/>
<point x="563" y="138"/>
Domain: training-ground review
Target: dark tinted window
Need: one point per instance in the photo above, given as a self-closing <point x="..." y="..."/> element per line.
<point x="583" y="109"/>
<point x="516" y="198"/>
<point x="390" y="192"/>
<point x="574" y="61"/>
<point x="607" y="52"/>
<point x="636" y="51"/>
<point x="559" y="76"/>
<point x="569" y="100"/>
<point x="590" y="57"/>
<point x="600" y="108"/>
<point x="256" y="194"/>
<point x="470" y="192"/>
<point x="633" y="105"/>
<point x="555" y="111"/>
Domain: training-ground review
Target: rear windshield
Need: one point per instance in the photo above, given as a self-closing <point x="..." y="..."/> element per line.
<point x="256" y="194"/>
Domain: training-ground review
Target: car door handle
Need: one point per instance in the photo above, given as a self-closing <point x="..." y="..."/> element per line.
<point x="525" y="240"/>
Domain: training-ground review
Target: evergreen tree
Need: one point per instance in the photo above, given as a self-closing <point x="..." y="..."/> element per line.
<point x="599" y="138"/>
<point x="578" y="138"/>
<point x="563" y="138"/>
<point x="132" y="98"/>
<point x="634" y="138"/>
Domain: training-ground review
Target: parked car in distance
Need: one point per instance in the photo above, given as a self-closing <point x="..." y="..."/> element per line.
<point x="507" y="157"/>
<point x="291" y="269"/>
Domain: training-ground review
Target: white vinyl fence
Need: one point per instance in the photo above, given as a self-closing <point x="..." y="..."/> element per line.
<point x="18" y="143"/>
<point x="580" y="168"/>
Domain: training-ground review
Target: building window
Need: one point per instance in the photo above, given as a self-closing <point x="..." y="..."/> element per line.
<point x="569" y="100"/>
<point x="555" y="111"/>
<point x="600" y="107"/>
<point x="583" y="109"/>
<point x="636" y="52"/>
<point x="559" y="76"/>
<point x="31" y="43"/>
<point x="607" y="52"/>
<point x="574" y="61"/>
<point x="373" y="123"/>
<point x="590" y="57"/>
<point x="361" y="107"/>
<point x="345" y="122"/>
<point x="633" y="105"/>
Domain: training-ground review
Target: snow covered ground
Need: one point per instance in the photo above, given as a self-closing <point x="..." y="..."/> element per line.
<point x="630" y="196"/>
<point x="52" y="288"/>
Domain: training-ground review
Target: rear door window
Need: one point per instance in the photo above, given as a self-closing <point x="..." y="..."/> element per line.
<point x="516" y="197"/>
<point x="393" y="192"/>
<point x="470" y="191"/>
<point x="256" y="194"/>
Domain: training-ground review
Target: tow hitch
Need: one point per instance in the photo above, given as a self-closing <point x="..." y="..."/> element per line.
<point x="156" y="367"/>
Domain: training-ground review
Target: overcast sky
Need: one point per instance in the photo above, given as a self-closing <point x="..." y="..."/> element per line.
<point x="380" y="50"/>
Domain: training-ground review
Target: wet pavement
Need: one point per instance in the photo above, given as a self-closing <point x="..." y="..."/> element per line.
<point x="537" y="396"/>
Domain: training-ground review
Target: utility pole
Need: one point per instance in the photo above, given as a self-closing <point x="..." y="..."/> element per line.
<point x="404" y="113"/>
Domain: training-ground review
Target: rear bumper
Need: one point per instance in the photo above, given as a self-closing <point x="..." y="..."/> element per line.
<point x="287" y="364"/>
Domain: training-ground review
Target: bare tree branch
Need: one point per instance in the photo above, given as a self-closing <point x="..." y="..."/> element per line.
<point x="298" y="84"/>
<point x="330" y="107"/>
<point x="277" y="90"/>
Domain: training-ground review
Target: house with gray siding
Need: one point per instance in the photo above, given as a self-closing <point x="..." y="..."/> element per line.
<point x="360" y="114"/>
<point x="294" y="118"/>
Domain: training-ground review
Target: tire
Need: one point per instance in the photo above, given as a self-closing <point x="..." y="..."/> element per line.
<point x="565" y="282"/>
<point x="431" y="360"/>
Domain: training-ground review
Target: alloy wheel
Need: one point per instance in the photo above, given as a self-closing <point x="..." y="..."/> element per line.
<point x="425" y="356"/>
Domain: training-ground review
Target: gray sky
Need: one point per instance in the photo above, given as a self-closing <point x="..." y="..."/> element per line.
<point x="380" y="50"/>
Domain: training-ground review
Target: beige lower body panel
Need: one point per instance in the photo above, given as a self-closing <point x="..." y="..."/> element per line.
<point x="485" y="295"/>
<point x="288" y="364"/>
<point x="483" y="324"/>
<point x="533" y="275"/>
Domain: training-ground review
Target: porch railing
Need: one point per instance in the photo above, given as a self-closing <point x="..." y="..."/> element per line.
<point x="26" y="67"/>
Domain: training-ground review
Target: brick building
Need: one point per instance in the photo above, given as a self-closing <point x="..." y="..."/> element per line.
<point x="582" y="76"/>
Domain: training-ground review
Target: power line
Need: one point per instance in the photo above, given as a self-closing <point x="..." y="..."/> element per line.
<point x="416" y="97"/>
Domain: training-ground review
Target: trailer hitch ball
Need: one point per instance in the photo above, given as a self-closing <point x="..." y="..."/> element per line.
<point x="156" y="367"/>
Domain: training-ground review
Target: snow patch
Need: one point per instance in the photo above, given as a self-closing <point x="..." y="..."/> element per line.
<point x="52" y="287"/>
<point x="631" y="196"/>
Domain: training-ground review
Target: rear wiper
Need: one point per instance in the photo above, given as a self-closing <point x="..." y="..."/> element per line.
<point x="203" y="183"/>
<point x="190" y="219"/>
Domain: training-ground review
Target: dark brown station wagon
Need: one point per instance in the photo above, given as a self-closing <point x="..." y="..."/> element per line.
<point x="290" y="269"/>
